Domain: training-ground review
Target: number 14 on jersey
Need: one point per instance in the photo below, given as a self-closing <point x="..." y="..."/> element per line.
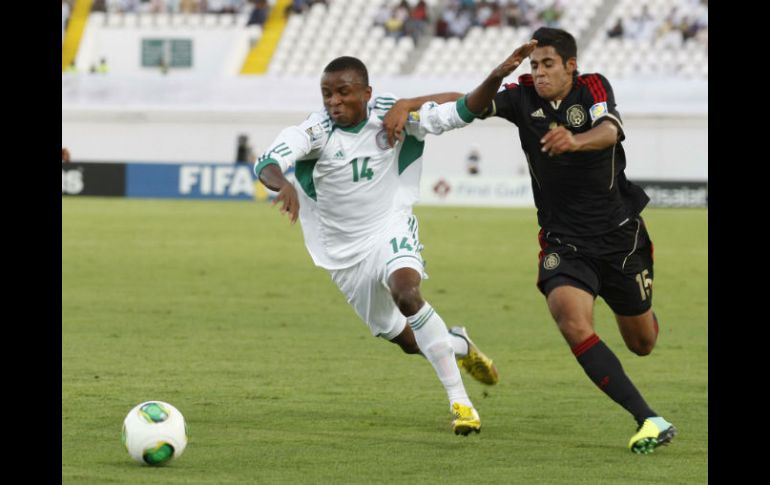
<point x="365" y="172"/>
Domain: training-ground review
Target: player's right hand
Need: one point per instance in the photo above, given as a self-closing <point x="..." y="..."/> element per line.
<point x="287" y="195"/>
<point x="514" y="60"/>
<point x="394" y="121"/>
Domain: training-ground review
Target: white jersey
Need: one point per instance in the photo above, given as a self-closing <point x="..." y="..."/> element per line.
<point x="350" y="183"/>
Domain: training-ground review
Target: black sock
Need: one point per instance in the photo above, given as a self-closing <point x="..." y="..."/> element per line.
<point x="605" y="370"/>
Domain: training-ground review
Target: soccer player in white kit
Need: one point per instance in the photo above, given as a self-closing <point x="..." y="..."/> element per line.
<point x="353" y="193"/>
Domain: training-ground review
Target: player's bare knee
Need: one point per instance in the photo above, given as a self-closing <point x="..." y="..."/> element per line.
<point x="641" y="347"/>
<point x="574" y="329"/>
<point x="408" y="300"/>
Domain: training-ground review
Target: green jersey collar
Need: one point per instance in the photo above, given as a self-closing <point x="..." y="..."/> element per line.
<point x="356" y="129"/>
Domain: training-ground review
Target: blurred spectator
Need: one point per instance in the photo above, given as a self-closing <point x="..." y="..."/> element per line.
<point x="442" y="24"/>
<point x="483" y="11"/>
<point x="513" y="14"/>
<point x="155" y="6"/>
<point x="244" y="152"/>
<point x="302" y="6"/>
<point x="145" y="6"/>
<point x="495" y="17"/>
<point x="173" y="6"/>
<point x="688" y="29"/>
<point x="617" y="30"/>
<point x="552" y="14"/>
<point x="414" y="26"/>
<point x="674" y="16"/>
<point x="493" y="13"/>
<point x="233" y="6"/>
<point x="102" y="68"/>
<point x="420" y="11"/>
<point x="642" y="26"/>
<point x="669" y="33"/>
<point x="259" y="13"/>
<point x="189" y="6"/>
<point x="72" y="68"/>
<point x="65" y="155"/>
<point x="382" y="15"/>
<point x="459" y="25"/>
<point x="702" y="21"/>
<point x="215" y="6"/>
<point x="395" y="25"/>
<point x="473" y="160"/>
<point x="528" y="12"/>
<point x="297" y="6"/>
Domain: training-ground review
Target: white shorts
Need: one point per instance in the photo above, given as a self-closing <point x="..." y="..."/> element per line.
<point x="365" y="285"/>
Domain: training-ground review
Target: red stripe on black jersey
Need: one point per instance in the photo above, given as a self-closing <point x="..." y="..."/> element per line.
<point x="526" y="79"/>
<point x="595" y="86"/>
<point x="583" y="80"/>
<point x="600" y="89"/>
<point x="543" y="245"/>
<point x="510" y="86"/>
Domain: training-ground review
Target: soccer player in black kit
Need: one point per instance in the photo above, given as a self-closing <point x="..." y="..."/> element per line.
<point x="593" y="239"/>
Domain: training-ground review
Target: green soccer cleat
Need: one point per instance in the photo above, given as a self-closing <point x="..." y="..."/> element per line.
<point x="476" y="363"/>
<point x="466" y="419"/>
<point x="652" y="433"/>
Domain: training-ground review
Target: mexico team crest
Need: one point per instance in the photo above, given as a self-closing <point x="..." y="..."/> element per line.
<point x="576" y="116"/>
<point x="551" y="261"/>
<point x="382" y="140"/>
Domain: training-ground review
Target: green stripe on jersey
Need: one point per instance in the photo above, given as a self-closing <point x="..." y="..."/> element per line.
<point x="465" y="114"/>
<point x="303" y="172"/>
<point x="264" y="162"/>
<point x="411" y="150"/>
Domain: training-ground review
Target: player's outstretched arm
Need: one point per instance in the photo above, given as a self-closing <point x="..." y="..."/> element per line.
<point x="273" y="179"/>
<point x="396" y="117"/>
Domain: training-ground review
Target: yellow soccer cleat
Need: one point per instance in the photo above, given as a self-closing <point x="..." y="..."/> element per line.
<point x="652" y="433"/>
<point x="466" y="419"/>
<point x="476" y="363"/>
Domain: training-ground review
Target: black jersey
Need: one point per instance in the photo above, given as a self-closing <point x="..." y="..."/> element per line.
<point x="576" y="193"/>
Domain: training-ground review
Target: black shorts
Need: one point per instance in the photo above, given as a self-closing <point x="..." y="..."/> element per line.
<point x="616" y="266"/>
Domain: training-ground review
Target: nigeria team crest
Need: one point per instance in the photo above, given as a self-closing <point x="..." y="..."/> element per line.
<point x="382" y="140"/>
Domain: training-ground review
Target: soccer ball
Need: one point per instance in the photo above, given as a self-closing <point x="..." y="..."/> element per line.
<point x="154" y="432"/>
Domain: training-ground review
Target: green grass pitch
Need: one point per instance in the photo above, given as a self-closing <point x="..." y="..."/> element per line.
<point x="217" y="308"/>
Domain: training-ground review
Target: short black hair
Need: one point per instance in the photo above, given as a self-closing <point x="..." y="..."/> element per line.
<point x="345" y="63"/>
<point x="562" y="42"/>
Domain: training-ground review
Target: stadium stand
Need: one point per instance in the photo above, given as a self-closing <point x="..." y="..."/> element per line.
<point x="661" y="38"/>
<point x="620" y="38"/>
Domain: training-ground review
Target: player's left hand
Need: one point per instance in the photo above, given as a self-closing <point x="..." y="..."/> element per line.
<point x="394" y="122"/>
<point x="290" y="202"/>
<point x="559" y="140"/>
<point x="515" y="59"/>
